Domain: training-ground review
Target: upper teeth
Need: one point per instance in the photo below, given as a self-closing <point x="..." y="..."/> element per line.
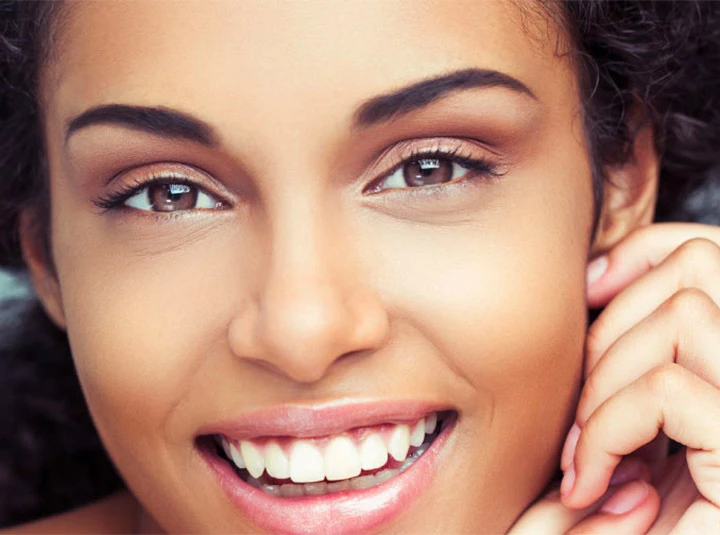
<point x="333" y="458"/>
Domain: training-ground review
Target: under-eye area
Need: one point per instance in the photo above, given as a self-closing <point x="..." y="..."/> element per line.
<point x="359" y="458"/>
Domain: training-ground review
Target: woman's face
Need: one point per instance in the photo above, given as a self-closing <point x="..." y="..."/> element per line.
<point x="363" y="214"/>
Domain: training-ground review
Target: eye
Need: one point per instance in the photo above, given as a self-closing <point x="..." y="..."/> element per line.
<point x="171" y="197"/>
<point x="419" y="172"/>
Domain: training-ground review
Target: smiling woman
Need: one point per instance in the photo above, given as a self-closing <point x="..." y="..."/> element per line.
<point x="322" y="265"/>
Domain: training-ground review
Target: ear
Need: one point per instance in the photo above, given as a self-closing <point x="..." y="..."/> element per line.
<point x="630" y="194"/>
<point x="42" y="274"/>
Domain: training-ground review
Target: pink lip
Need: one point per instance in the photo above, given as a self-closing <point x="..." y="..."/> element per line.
<point x="342" y="512"/>
<point x="319" y="419"/>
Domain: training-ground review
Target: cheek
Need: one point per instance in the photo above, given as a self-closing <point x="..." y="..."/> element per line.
<point x="141" y="326"/>
<point x="502" y="301"/>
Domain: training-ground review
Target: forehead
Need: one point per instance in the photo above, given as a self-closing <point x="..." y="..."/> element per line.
<point x="267" y="56"/>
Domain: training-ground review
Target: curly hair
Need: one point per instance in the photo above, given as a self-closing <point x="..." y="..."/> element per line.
<point x="661" y="56"/>
<point x="664" y="56"/>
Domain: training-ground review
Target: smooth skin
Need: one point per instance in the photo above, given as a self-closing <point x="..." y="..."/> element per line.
<point x="304" y="288"/>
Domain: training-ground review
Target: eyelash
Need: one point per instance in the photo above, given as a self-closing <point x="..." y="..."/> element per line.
<point x="115" y="200"/>
<point x="478" y="168"/>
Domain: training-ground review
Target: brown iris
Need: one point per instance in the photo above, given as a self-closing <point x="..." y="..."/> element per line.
<point x="427" y="171"/>
<point x="172" y="197"/>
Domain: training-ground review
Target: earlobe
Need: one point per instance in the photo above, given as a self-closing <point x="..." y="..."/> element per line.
<point x="630" y="194"/>
<point x="42" y="276"/>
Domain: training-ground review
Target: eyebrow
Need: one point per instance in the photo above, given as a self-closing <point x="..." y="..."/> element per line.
<point x="174" y="124"/>
<point x="160" y="121"/>
<point x="413" y="97"/>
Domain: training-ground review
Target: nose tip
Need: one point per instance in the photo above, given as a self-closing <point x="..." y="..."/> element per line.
<point x="300" y="330"/>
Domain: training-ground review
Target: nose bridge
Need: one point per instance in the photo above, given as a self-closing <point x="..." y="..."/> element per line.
<point x="312" y="308"/>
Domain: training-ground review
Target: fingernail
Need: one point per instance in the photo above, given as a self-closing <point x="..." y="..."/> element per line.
<point x="626" y="499"/>
<point x="568" y="481"/>
<point x="596" y="269"/>
<point x="568" y="452"/>
<point x="626" y="472"/>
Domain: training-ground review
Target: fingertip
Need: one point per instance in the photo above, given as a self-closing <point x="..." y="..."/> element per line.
<point x="626" y="499"/>
<point x="568" y="452"/>
<point x="619" y="515"/>
<point x="567" y="485"/>
<point x="596" y="269"/>
<point x="583" y="488"/>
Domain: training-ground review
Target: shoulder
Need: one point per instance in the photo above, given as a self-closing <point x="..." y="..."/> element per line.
<point x="115" y="514"/>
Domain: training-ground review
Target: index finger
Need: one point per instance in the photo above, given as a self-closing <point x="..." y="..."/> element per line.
<point x="640" y="252"/>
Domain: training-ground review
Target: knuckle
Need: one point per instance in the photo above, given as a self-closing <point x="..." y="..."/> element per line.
<point x="666" y="381"/>
<point x="686" y="303"/>
<point x="700" y="256"/>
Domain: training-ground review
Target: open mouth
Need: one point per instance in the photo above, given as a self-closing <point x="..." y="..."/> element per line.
<point x="347" y="467"/>
<point x="360" y="458"/>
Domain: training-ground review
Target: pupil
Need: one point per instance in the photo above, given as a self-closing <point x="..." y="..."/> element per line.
<point x="427" y="171"/>
<point x="172" y="197"/>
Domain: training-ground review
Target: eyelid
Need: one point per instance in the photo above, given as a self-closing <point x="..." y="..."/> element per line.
<point x="158" y="173"/>
<point x="406" y="150"/>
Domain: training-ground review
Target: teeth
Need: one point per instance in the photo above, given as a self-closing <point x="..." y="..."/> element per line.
<point x="253" y="457"/>
<point x="291" y="490"/>
<point x="235" y="455"/>
<point x="399" y="442"/>
<point x="315" y="489"/>
<point x="386" y="475"/>
<point x="288" y="490"/>
<point x="417" y="437"/>
<point x="276" y="462"/>
<point x="363" y="482"/>
<point x="430" y="423"/>
<point x="225" y="446"/>
<point x="373" y="453"/>
<point x="338" y="486"/>
<point x="338" y="468"/>
<point x="306" y="463"/>
<point x="342" y="460"/>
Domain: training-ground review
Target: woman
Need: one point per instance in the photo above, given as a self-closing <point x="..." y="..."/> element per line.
<point x="322" y="266"/>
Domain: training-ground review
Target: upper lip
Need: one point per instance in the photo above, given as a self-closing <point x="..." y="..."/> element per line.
<point x="320" y="419"/>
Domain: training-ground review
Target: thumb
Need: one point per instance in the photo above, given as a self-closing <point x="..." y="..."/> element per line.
<point x="548" y="516"/>
<point x="629" y="510"/>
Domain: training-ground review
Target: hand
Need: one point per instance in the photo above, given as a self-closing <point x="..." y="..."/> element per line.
<point x="628" y="507"/>
<point x="652" y="366"/>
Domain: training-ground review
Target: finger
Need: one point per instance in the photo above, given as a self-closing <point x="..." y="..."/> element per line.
<point x="701" y="517"/>
<point x="695" y="264"/>
<point x="632" y="509"/>
<point x="548" y="516"/>
<point x="669" y="398"/>
<point x="685" y="329"/>
<point x="639" y="253"/>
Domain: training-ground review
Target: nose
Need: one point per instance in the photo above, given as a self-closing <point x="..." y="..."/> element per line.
<point x="312" y="307"/>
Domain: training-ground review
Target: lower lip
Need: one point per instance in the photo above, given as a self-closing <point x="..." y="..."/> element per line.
<point x="341" y="512"/>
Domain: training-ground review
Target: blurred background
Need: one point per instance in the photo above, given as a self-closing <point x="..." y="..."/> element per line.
<point x="12" y="286"/>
